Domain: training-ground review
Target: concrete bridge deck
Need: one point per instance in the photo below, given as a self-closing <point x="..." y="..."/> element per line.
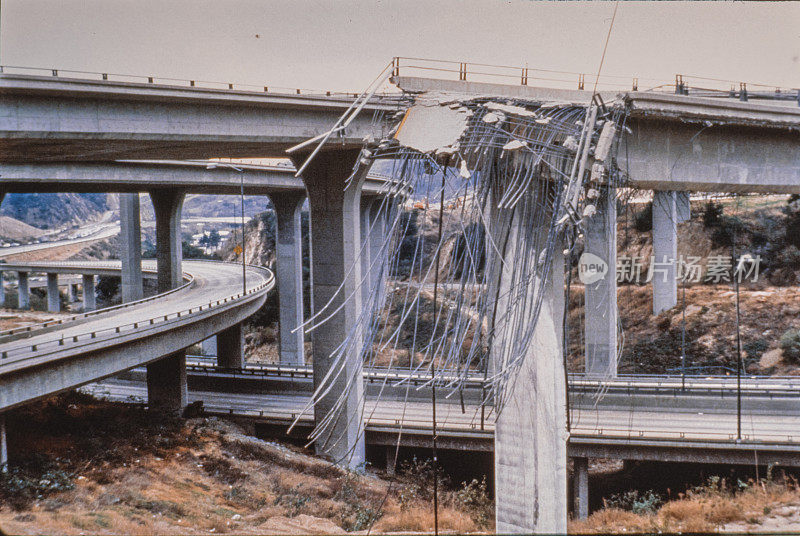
<point x="110" y="341"/>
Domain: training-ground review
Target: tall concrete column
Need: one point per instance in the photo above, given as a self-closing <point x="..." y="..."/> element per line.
<point x="166" y="383"/>
<point x="580" y="487"/>
<point x="209" y="346"/>
<point x="366" y="204"/>
<point x="23" y="291"/>
<point x="600" y="235"/>
<point x="665" y="251"/>
<point x="230" y="347"/>
<point x="289" y="268"/>
<point x="335" y="214"/>
<point x="89" y="298"/>
<point x="72" y="292"/>
<point x="2" y="289"/>
<point x="3" y="445"/>
<point x="130" y="247"/>
<point x="169" y="253"/>
<point x="53" y="295"/>
<point x="378" y="254"/>
<point x="530" y="434"/>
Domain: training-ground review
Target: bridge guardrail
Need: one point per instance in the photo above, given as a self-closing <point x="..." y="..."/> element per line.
<point x="90" y="337"/>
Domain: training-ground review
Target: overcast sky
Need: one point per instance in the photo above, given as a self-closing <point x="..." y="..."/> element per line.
<point x="343" y="44"/>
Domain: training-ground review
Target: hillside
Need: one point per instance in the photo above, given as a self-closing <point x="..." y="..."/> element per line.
<point x="51" y="211"/>
<point x="12" y="229"/>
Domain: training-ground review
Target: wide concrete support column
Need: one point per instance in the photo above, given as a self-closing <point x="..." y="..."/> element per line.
<point x="169" y="255"/>
<point x="335" y="216"/>
<point x="289" y="268"/>
<point x="53" y="295"/>
<point x="230" y="347"/>
<point x="23" y="291"/>
<point x="601" y="295"/>
<point x="166" y="383"/>
<point x="130" y="247"/>
<point x="531" y="433"/>
<point x="89" y="298"/>
<point x="580" y="487"/>
<point x="665" y="251"/>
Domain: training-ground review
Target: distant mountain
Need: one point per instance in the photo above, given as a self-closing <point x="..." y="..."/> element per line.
<point x="47" y="211"/>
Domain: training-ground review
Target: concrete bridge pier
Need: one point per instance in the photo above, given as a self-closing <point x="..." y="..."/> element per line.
<point x="665" y="251"/>
<point x="130" y="247"/>
<point x="3" y="445"/>
<point x="72" y="292"/>
<point x="531" y="432"/>
<point x="2" y="289"/>
<point x="230" y="347"/>
<point x="166" y="384"/>
<point x="89" y="297"/>
<point x="364" y="250"/>
<point x="377" y="253"/>
<point x="335" y="218"/>
<point x="601" y="296"/>
<point x="23" y="291"/>
<point x="289" y="268"/>
<point x="580" y="487"/>
<point x="209" y="347"/>
<point x="53" y="294"/>
<point x="166" y="378"/>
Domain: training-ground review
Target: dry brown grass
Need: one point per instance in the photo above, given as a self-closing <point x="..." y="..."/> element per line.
<point x="712" y="508"/>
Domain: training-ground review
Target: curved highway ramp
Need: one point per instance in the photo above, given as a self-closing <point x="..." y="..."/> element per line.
<point x="38" y="361"/>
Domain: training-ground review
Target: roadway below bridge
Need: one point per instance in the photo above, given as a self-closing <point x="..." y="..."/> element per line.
<point x="39" y="360"/>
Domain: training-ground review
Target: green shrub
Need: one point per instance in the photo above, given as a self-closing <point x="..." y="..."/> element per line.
<point x="712" y="214"/>
<point x="474" y="498"/>
<point x="790" y="344"/>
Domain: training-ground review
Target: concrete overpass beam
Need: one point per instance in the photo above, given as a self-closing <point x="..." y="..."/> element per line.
<point x="89" y="297"/>
<point x="230" y="347"/>
<point x="166" y="383"/>
<point x="130" y="247"/>
<point x="23" y="291"/>
<point x="335" y="218"/>
<point x="601" y="295"/>
<point x="665" y="251"/>
<point x="580" y="487"/>
<point x="53" y="295"/>
<point x="530" y="434"/>
<point x="289" y="265"/>
<point x="169" y="253"/>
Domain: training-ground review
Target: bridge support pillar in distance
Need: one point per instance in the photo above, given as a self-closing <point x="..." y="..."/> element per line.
<point x="2" y="289"/>
<point x="665" y="251"/>
<point x="3" y="445"/>
<point x="209" y="347"/>
<point x="72" y="292"/>
<point x="289" y="267"/>
<point x="166" y="383"/>
<point x="89" y="298"/>
<point x="230" y="347"/>
<point x="580" y="487"/>
<point x="531" y="430"/>
<point x="366" y="258"/>
<point x="53" y="295"/>
<point x="335" y="219"/>
<point x="130" y="247"/>
<point x="23" y="291"/>
<point x="378" y="254"/>
<point x="601" y="295"/>
<point x="166" y="378"/>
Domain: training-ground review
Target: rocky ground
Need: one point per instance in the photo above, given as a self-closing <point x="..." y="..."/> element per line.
<point x="81" y="466"/>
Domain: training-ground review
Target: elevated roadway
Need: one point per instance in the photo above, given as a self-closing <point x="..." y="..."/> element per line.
<point x="37" y="361"/>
